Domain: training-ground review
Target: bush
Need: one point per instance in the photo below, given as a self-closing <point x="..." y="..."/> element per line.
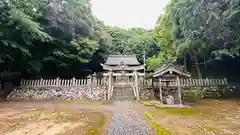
<point x="193" y="94"/>
<point x="196" y="93"/>
<point x="228" y="92"/>
<point x="220" y="92"/>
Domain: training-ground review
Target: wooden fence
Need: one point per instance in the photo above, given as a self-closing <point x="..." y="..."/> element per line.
<point x="63" y="82"/>
<point x="100" y="82"/>
<point x="195" y="82"/>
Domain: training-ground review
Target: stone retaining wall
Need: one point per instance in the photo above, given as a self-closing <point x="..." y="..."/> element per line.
<point x="57" y="93"/>
<point x="98" y="93"/>
<point x="144" y="93"/>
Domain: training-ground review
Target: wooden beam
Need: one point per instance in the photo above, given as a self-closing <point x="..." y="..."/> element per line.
<point x="136" y="84"/>
<point x="179" y="91"/>
<point x="160" y="90"/>
<point x="109" y="85"/>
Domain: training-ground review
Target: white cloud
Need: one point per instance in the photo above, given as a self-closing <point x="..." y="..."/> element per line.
<point x="128" y="13"/>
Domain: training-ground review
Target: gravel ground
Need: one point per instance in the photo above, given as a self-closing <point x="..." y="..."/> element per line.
<point x="125" y="121"/>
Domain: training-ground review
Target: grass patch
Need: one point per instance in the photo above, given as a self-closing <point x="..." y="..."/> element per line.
<point x="107" y="102"/>
<point x="94" y="121"/>
<point x="158" y="129"/>
<point x="211" y="116"/>
<point x="176" y="111"/>
<point x="79" y="122"/>
<point x="94" y="126"/>
<point x="211" y="129"/>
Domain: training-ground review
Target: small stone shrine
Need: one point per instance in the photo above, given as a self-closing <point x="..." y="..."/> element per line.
<point x="169" y="100"/>
<point x="169" y="75"/>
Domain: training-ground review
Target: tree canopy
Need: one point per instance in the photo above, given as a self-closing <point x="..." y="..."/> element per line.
<point x="63" y="38"/>
<point x="198" y="31"/>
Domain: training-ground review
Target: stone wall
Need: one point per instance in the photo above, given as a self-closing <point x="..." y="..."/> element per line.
<point x="58" y="93"/>
<point x="145" y="93"/>
<point x="197" y="93"/>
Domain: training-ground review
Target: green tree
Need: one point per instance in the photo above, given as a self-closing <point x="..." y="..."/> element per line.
<point x="201" y="31"/>
<point x="162" y="36"/>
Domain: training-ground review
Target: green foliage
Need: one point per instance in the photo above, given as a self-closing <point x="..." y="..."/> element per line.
<point x="132" y="41"/>
<point x="84" y="48"/>
<point x="200" y="31"/>
<point x="163" y="37"/>
<point x="18" y="30"/>
<point x="38" y="37"/>
<point x="54" y="38"/>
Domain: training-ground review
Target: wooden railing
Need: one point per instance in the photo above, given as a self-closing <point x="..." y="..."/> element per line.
<point x="142" y="81"/>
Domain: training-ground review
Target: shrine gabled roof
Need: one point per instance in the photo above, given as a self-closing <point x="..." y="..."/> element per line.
<point x="130" y="60"/>
<point x="122" y="67"/>
<point x="170" y="68"/>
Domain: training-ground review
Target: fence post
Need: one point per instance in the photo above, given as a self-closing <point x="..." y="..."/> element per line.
<point x="207" y="81"/>
<point x="94" y="79"/>
<point x="41" y="82"/>
<point x="225" y="81"/>
<point x="57" y="81"/>
<point x="73" y="81"/>
<point x="89" y="80"/>
<point x="201" y="82"/>
<point x="210" y="81"/>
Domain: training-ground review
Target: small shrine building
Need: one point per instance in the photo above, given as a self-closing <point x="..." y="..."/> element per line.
<point x="169" y="75"/>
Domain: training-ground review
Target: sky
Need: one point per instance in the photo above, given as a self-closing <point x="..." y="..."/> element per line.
<point x="128" y="13"/>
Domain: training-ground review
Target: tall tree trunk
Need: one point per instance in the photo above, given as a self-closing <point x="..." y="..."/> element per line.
<point x="198" y="68"/>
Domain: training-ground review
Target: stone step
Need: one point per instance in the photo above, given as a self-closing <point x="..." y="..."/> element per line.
<point x="127" y="91"/>
<point x="123" y="94"/>
<point x="123" y="98"/>
<point x="123" y="86"/>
